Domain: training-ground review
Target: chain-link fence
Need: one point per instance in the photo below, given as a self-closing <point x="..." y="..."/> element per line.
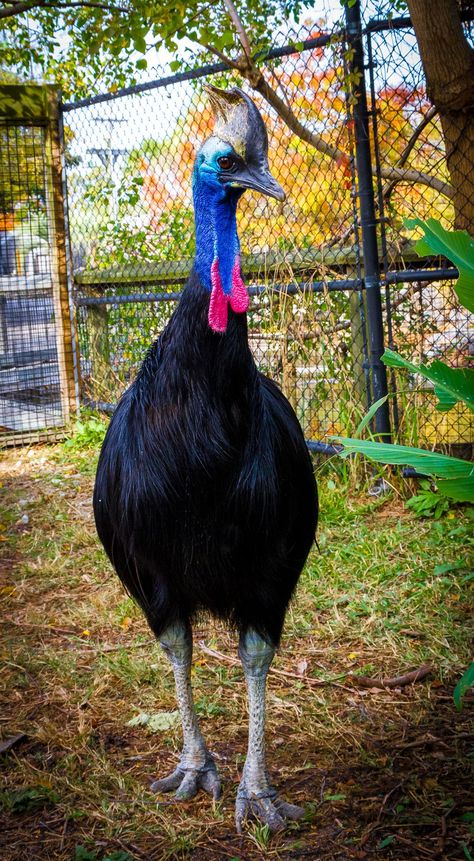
<point x="37" y="380"/>
<point x="129" y="162"/>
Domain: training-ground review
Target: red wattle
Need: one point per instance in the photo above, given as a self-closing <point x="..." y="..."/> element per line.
<point x="239" y="298"/>
<point x="218" y="305"/>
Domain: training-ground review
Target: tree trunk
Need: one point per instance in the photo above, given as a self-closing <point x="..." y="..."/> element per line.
<point x="448" y="62"/>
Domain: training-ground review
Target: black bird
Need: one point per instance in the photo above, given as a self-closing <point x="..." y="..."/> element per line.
<point x="205" y="498"/>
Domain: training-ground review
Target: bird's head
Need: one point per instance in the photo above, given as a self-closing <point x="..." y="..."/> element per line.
<point x="236" y="155"/>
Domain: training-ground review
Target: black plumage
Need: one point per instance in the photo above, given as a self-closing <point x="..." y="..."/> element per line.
<point x="205" y="498"/>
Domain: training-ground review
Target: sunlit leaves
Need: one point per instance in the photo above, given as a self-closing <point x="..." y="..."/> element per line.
<point x="457" y="246"/>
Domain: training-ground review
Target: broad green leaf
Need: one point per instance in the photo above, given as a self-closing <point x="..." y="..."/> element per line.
<point x="451" y="384"/>
<point x="460" y="489"/>
<point x="465" y="682"/>
<point x="457" y="246"/>
<point x="367" y="418"/>
<point x="426" y="462"/>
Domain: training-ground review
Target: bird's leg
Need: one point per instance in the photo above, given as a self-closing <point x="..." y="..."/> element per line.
<point x="255" y="796"/>
<point x="196" y="769"/>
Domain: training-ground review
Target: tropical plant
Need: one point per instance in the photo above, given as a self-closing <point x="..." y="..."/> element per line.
<point x="455" y="477"/>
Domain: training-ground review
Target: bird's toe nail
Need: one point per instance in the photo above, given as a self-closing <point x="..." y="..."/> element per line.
<point x="167" y="784"/>
<point x="211" y="784"/>
<point x="187" y="788"/>
<point x="289" y="811"/>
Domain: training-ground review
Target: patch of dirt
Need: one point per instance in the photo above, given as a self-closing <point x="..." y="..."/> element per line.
<point x="401" y="792"/>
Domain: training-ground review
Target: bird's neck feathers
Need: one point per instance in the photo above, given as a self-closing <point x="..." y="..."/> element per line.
<point x="218" y="251"/>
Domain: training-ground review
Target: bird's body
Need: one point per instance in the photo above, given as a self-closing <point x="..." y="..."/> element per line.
<point x="205" y="498"/>
<point x="204" y="483"/>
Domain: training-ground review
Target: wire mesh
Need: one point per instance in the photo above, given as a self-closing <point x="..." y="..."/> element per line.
<point x="129" y="180"/>
<point x="310" y="342"/>
<point x="129" y="166"/>
<point x="423" y="321"/>
<point x="32" y="398"/>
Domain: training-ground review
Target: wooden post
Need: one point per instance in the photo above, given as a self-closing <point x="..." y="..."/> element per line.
<point x="65" y="335"/>
<point x="359" y="347"/>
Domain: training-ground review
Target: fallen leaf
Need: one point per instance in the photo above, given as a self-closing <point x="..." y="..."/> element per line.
<point x="158" y="722"/>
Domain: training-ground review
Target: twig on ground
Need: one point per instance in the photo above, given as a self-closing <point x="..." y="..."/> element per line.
<point x="131" y="846"/>
<point x="213" y="653"/>
<point x="396" y="682"/>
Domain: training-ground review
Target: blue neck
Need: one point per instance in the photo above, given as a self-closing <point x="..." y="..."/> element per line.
<point x="216" y="231"/>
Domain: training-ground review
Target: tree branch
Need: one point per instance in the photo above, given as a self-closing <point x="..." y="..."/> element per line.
<point x="231" y="63"/>
<point x="240" y="29"/>
<point x="10" y="10"/>
<point x="247" y="67"/>
<point x="390" y="172"/>
<point x="411" y="143"/>
<point x="409" y="174"/>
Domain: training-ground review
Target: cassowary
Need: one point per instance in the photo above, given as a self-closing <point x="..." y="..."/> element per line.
<point x="205" y="498"/>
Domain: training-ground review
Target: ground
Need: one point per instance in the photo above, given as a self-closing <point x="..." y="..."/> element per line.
<point x="383" y="773"/>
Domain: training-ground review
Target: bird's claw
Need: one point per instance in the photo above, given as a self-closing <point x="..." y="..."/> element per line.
<point x="266" y="808"/>
<point x="187" y="781"/>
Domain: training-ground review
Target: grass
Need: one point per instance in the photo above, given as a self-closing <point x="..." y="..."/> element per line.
<point x="383" y="773"/>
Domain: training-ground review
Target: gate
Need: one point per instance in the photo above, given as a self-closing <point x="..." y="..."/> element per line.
<point x="37" y="361"/>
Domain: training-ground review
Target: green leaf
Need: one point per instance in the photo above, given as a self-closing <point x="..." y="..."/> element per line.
<point x="163" y="721"/>
<point x="175" y="65"/>
<point x="426" y="462"/>
<point x="465" y="682"/>
<point x="446" y="567"/>
<point x="457" y="246"/>
<point x="451" y="384"/>
<point x="466" y="852"/>
<point x="227" y="38"/>
<point x="386" y="841"/>
<point x="142" y="64"/>
<point x="159" y="722"/>
<point x="83" y="854"/>
<point x="139" y="720"/>
<point x="460" y="489"/>
<point x="139" y="44"/>
<point x="367" y="418"/>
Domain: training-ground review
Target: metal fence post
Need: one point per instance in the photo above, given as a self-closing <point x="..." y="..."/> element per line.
<point x="367" y="219"/>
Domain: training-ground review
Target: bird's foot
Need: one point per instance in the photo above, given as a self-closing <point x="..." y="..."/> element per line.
<point x="187" y="780"/>
<point x="265" y="806"/>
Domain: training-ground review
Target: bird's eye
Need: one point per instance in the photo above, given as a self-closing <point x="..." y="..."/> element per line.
<point x="226" y="162"/>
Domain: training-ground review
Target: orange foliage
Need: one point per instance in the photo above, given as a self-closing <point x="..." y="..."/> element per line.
<point x="319" y="206"/>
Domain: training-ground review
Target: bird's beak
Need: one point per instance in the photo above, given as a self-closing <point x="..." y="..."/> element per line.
<point x="260" y="180"/>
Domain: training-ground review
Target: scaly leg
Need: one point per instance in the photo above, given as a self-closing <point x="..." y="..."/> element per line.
<point x="255" y="796"/>
<point x="197" y="769"/>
